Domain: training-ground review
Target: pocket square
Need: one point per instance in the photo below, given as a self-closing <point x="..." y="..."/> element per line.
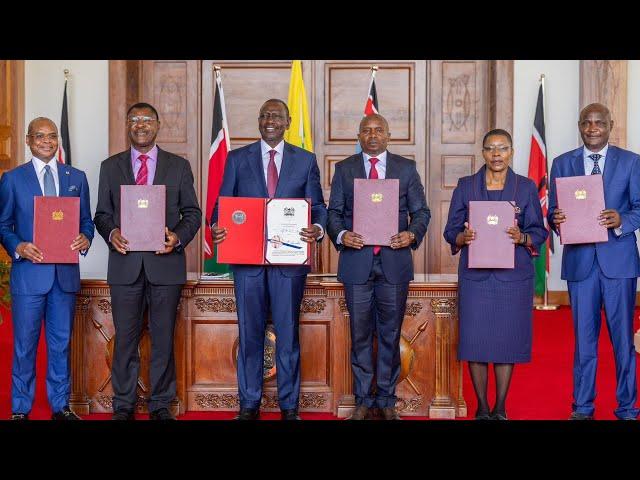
<point x="73" y="188"/>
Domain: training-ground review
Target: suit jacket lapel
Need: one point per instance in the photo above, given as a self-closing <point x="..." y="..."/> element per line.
<point x="480" y="185"/>
<point x="127" y="169"/>
<point x="286" y="168"/>
<point x="357" y="168"/>
<point x="162" y="166"/>
<point x="578" y="162"/>
<point x="63" y="179"/>
<point x="391" y="171"/>
<point x="254" y="159"/>
<point x="32" y="179"/>
<point x="610" y="164"/>
<point x="509" y="191"/>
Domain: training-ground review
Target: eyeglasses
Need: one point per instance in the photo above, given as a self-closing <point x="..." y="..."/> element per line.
<point x="41" y="136"/>
<point x="494" y="148"/>
<point x="143" y="120"/>
<point x="269" y="115"/>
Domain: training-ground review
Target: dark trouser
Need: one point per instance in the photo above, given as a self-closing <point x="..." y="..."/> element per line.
<point x="255" y="296"/>
<point x="128" y="303"/>
<point x="376" y="306"/>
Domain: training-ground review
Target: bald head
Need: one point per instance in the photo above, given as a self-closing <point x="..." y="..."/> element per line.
<point x="33" y="124"/>
<point x="595" y="126"/>
<point x="375" y="116"/>
<point x="42" y="138"/>
<point x="595" y="107"/>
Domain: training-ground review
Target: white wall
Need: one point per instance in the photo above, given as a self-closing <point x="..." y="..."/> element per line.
<point x="88" y="97"/>
<point x="562" y="83"/>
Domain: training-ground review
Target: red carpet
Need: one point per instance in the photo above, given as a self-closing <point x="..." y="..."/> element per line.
<point x="539" y="390"/>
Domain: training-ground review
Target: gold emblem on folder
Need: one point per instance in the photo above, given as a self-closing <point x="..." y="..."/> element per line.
<point x="492" y="220"/>
<point x="143" y="203"/>
<point x="376" y="197"/>
<point x="57" y="215"/>
<point x="581" y="194"/>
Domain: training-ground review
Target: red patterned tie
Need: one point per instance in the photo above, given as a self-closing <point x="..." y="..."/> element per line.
<point x="272" y="174"/>
<point x="373" y="175"/>
<point x="143" y="173"/>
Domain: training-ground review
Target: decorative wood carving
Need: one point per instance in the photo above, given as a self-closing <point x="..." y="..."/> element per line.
<point x="430" y="381"/>
<point x="309" y="305"/>
<point x="216" y="304"/>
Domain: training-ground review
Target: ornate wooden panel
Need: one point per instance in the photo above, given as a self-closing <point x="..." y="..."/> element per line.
<point x="605" y="81"/>
<point x="340" y="92"/>
<point x="173" y="88"/>
<point x="206" y="343"/>
<point x="459" y="117"/>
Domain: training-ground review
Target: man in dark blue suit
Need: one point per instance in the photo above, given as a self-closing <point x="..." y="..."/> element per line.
<point x="41" y="290"/>
<point x="271" y="168"/>
<point x="602" y="274"/>
<point x="376" y="279"/>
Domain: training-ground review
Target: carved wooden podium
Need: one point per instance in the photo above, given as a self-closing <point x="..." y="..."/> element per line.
<point x="206" y="341"/>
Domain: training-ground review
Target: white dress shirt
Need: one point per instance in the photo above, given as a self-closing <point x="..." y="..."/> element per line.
<point x="39" y="165"/>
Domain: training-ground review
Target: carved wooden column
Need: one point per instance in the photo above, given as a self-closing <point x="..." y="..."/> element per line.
<point x="443" y="405"/>
<point x="605" y="81"/>
<point x="345" y="401"/>
<point x="78" y="400"/>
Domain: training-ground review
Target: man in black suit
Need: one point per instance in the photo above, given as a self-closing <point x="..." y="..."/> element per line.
<point x="146" y="279"/>
<point x="376" y="279"/>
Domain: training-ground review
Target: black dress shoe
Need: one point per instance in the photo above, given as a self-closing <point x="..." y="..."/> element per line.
<point x="248" y="414"/>
<point x="161" y="414"/>
<point x="580" y="416"/>
<point x="19" y="416"/>
<point x="123" y="415"/>
<point x="499" y="416"/>
<point x="291" y="414"/>
<point x="483" y="416"/>
<point x="65" y="414"/>
<point x="361" y="412"/>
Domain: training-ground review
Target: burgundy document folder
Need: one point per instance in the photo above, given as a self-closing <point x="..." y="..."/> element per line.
<point x="247" y="223"/>
<point x="375" y="209"/>
<point x="492" y="247"/>
<point x="581" y="199"/>
<point x="56" y="223"/>
<point x="142" y="216"/>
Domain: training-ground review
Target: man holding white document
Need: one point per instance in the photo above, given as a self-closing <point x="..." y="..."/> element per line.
<point x="272" y="169"/>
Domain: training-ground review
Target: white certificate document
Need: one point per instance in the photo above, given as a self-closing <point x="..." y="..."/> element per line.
<point x="285" y="218"/>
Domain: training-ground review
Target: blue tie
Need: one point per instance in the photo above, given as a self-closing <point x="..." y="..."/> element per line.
<point x="596" y="169"/>
<point x="49" y="184"/>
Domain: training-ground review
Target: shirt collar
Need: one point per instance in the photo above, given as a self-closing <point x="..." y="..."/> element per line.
<point x="382" y="158"/>
<point x="152" y="154"/>
<point x="586" y="152"/>
<point x="265" y="147"/>
<point x="40" y="164"/>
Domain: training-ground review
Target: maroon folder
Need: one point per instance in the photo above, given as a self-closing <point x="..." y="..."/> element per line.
<point x="142" y="216"/>
<point x="56" y="223"/>
<point x="581" y="199"/>
<point x="375" y="209"/>
<point x="492" y="247"/>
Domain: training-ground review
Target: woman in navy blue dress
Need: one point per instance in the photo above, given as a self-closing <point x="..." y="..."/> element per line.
<point x="495" y="305"/>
